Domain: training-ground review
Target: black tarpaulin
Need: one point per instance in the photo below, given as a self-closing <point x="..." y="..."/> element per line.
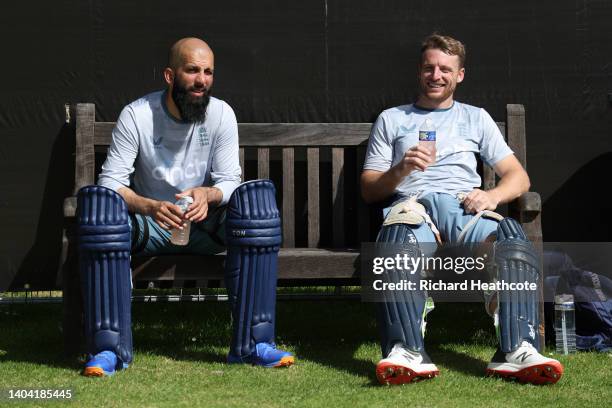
<point x="279" y="61"/>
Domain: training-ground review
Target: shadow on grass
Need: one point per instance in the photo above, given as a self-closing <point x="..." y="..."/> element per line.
<point x="31" y="333"/>
<point x="459" y="323"/>
<point x="329" y="333"/>
<point x="457" y="361"/>
<point x="183" y="331"/>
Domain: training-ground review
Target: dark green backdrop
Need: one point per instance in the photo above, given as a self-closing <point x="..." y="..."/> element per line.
<point x="300" y="61"/>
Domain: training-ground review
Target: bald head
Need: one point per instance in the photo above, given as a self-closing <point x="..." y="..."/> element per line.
<point x="185" y="48"/>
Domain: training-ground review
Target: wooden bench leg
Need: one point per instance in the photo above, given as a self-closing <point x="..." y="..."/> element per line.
<point x="72" y="321"/>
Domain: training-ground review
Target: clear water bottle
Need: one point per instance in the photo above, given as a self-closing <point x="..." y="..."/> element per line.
<point x="565" y="324"/>
<point x="181" y="237"/>
<point x="427" y="136"/>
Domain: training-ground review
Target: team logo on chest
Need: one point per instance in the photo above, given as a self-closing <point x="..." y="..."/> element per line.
<point x="404" y="130"/>
<point x="203" y="138"/>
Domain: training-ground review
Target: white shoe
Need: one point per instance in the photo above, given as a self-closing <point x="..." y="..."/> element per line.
<point x="525" y="364"/>
<point x="403" y="366"/>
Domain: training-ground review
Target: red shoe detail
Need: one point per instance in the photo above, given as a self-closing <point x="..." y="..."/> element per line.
<point x="545" y="373"/>
<point x="389" y="373"/>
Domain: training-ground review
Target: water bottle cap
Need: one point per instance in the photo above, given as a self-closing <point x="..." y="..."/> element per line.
<point x="184" y="202"/>
<point x="186" y="199"/>
<point x="564" y="299"/>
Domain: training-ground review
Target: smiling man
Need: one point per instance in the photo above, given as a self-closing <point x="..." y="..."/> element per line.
<point x="178" y="143"/>
<point x="436" y="197"/>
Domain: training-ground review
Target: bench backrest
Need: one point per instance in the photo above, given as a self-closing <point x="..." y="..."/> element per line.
<point x="342" y="144"/>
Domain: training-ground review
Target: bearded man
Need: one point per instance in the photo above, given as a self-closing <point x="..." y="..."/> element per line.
<point x="178" y="143"/>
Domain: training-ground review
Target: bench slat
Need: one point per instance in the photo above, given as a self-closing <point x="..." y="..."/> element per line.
<point x="288" y="197"/>
<point x="303" y="134"/>
<point x="263" y="163"/>
<point x="284" y="134"/>
<point x="488" y="177"/>
<point x="515" y="119"/>
<point x="338" y="196"/>
<point x="241" y="159"/>
<point x="363" y="212"/>
<point x="281" y="134"/>
<point x="312" y="154"/>
<point x="85" y="155"/>
<point x="292" y="264"/>
<point x="488" y="174"/>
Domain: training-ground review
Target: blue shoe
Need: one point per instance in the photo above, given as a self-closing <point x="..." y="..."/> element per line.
<point x="265" y="355"/>
<point x="100" y="365"/>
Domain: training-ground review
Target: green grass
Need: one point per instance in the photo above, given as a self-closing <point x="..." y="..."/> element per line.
<point x="180" y="349"/>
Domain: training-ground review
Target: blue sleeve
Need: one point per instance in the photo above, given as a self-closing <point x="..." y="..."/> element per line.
<point x="379" y="155"/>
<point x="493" y="147"/>
<point x="225" y="171"/>
<point x="119" y="164"/>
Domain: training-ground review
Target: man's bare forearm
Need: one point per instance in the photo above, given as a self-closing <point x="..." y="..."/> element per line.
<point x="214" y="195"/>
<point x="147" y="206"/>
<point x="377" y="185"/>
<point x="136" y="203"/>
<point x="511" y="186"/>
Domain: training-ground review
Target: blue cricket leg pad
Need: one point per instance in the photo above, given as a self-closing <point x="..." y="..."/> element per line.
<point x="400" y="316"/>
<point x="253" y="237"/>
<point x="104" y="263"/>
<point x="516" y="261"/>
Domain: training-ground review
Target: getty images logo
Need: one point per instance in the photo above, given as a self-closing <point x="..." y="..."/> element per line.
<point x="176" y="174"/>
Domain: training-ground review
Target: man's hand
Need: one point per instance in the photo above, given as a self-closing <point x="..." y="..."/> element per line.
<point x="478" y="200"/>
<point x="202" y="197"/>
<point x="415" y="158"/>
<point x="167" y="215"/>
<point x="378" y="185"/>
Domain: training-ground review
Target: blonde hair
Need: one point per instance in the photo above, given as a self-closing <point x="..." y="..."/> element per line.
<point x="446" y="44"/>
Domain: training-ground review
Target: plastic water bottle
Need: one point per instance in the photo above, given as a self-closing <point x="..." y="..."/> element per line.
<point x="565" y="324"/>
<point x="427" y="136"/>
<point x="181" y="237"/>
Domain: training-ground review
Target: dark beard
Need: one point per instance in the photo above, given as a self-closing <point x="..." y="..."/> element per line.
<point x="192" y="109"/>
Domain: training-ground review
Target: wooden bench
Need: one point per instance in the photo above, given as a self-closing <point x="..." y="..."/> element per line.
<point x="315" y="167"/>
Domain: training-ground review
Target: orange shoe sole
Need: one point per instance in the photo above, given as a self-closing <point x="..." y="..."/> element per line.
<point x="286" y="362"/>
<point x="540" y="374"/>
<point x="93" y="372"/>
<point x="388" y="373"/>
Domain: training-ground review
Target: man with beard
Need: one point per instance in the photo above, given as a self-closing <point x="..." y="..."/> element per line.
<point x="435" y="198"/>
<point x="173" y="144"/>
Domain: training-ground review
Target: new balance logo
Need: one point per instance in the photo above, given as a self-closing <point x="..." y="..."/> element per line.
<point x="523" y="356"/>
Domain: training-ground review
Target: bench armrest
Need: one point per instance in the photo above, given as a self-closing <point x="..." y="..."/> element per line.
<point x="527" y="209"/>
<point x="529" y="202"/>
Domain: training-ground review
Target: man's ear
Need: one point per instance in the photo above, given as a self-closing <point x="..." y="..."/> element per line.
<point x="169" y="75"/>
<point x="460" y="75"/>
